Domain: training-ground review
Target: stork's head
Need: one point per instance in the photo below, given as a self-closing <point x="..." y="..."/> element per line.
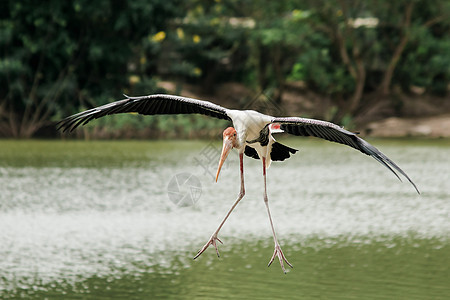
<point x="229" y="142"/>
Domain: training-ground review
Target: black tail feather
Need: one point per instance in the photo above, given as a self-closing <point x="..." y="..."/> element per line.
<point x="279" y="152"/>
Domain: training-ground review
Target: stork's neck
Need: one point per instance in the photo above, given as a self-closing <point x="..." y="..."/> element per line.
<point x="241" y="138"/>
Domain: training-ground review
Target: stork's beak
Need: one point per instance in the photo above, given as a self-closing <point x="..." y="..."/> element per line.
<point x="227" y="146"/>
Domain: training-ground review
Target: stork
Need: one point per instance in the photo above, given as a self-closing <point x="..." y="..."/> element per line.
<point x="251" y="135"/>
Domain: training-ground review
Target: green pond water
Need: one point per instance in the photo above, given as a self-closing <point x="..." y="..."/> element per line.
<point x="123" y="220"/>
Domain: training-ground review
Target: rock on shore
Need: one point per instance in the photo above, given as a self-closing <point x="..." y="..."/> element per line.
<point x="434" y="127"/>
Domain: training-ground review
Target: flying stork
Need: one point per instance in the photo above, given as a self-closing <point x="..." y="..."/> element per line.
<point x="251" y="135"/>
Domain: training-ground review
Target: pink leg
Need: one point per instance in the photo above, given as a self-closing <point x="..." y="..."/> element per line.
<point x="277" y="252"/>
<point x="214" y="238"/>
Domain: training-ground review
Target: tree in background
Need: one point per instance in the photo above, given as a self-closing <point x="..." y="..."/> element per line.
<point x="343" y="49"/>
<point x="364" y="43"/>
<point x="255" y="42"/>
<point x="60" y="55"/>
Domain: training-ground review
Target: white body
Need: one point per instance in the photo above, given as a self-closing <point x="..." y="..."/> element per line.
<point x="248" y="124"/>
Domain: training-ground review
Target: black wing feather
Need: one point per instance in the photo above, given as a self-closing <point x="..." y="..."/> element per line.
<point x="335" y="133"/>
<point x="159" y="104"/>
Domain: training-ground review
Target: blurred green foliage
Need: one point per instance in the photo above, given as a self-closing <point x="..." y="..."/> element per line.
<point x="58" y="57"/>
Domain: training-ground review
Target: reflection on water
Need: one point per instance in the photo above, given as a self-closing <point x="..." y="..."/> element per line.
<point x="94" y="219"/>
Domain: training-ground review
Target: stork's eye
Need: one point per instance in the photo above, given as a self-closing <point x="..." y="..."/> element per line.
<point x="234" y="134"/>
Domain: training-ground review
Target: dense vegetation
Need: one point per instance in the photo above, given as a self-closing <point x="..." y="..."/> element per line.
<point x="58" y="57"/>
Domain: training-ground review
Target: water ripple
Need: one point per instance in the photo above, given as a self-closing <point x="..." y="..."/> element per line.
<point x="63" y="224"/>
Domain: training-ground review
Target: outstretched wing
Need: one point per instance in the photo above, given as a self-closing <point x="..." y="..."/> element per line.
<point x="335" y="133"/>
<point x="159" y="104"/>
